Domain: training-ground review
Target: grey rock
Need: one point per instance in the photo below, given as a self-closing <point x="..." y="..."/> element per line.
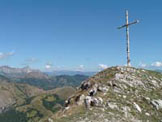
<point x="100" y="101"/>
<point x="111" y="105"/>
<point x="147" y="114"/>
<point x="154" y="82"/>
<point x="126" y="110"/>
<point x="87" y="101"/>
<point x="85" y="85"/>
<point x="81" y="99"/>
<point x="92" y="101"/>
<point x="119" y="76"/>
<point x="102" y="89"/>
<point x="93" y="91"/>
<point x="50" y="120"/>
<point x="157" y="104"/>
<point x="67" y="102"/>
<point x="137" y="107"/>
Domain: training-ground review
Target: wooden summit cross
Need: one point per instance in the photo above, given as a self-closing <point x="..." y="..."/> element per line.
<point x="127" y="36"/>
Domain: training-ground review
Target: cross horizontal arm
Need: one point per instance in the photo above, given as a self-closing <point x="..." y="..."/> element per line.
<point x="137" y="21"/>
<point x="122" y="26"/>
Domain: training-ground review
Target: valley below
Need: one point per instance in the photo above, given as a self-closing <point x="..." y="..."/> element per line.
<point x="31" y="95"/>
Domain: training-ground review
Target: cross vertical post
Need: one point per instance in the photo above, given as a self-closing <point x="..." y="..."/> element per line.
<point x="127" y="36"/>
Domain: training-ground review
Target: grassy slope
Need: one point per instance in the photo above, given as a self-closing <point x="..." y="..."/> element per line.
<point x="133" y="93"/>
<point x="33" y="107"/>
<point x="29" y="103"/>
<point x="46" y="104"/>
<point x="13" y="95"/>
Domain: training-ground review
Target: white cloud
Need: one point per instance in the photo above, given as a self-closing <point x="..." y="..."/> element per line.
<point x="81" y="68"/>
<point x="48" y="66"/>
<point x="157" y="64"/>
<point x="142" y="65"/>
<point x="103" y="66"/>
<point x="6" y="55"/>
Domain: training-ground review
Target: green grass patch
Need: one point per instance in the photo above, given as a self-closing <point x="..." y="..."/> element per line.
<point x="53" y="103"/>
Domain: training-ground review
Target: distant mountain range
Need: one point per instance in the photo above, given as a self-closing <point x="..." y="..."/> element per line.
<point x="158" y="70"/>
<point x="41" y="79"/>
<point x="10" y="71"/>
<point x="7" y="69"/>
<point x="16" y="72"/>
<point x="68" y="72"/>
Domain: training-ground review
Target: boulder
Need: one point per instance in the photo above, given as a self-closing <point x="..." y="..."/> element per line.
<point x="92" y="101"/>
<point x="102" y="89"/>
<point x="119" y="76"/>
<point x="111" y="83"/>
<point x="50" y="120"/>
<point x="157" y="104"/>
<point x="126" y="110"/>
<point x="111" y="105"/>
<point x="155" y="83"/>
<point x="93" y="91"/>
<point x="97" y="102"/>
<point x="67" y="102"/>
<point x="137" y="107"/>
<point x="147" y="114"/>
<point x="85" y="85"/>
<point x="87" y="101"/>
<point x="80" y="100"/>
<point x="100" y="101"/>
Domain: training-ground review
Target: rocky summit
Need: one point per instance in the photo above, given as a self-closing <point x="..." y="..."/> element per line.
<point x="117" y="94"/>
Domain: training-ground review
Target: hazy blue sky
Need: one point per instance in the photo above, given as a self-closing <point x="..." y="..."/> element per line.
<point x="79" y="34"/>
